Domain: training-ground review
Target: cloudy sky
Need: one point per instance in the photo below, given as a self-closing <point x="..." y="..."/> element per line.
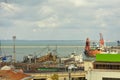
<point x="59" y="19"/>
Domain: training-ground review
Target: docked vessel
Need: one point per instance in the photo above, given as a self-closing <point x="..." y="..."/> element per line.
<point x="95" y="49"/>
<point x="91" y="51"/>
<point x="3" y="56"/>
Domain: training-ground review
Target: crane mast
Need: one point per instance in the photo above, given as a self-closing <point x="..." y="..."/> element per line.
<point x="101" y="40"/>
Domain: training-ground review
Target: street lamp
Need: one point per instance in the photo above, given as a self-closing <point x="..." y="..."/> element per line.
<point x="69" y="71"/>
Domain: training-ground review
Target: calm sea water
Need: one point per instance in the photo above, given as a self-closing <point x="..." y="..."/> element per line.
<point x="40" y="47"/>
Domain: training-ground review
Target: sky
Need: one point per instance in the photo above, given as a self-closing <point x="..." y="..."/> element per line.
<point x="59" y="19"/>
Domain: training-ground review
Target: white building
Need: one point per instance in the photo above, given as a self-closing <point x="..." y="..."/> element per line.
<point x="78" y="58"/>
<point x="103" y="70"/>
<point x="103" y="75"/>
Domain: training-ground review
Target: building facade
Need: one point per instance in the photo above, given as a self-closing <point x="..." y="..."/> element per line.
<point x="104" y="69"/>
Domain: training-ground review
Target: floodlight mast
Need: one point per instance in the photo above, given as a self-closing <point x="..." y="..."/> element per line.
<point x="14" y="38"/>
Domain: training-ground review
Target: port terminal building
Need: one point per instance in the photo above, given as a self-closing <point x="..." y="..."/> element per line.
<point x="106" y="67"/>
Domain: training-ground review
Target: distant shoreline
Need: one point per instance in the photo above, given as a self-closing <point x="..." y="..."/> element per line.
<point x="36" y="46"/>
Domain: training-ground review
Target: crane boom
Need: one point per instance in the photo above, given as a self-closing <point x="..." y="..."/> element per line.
<point x="101" y="40"/>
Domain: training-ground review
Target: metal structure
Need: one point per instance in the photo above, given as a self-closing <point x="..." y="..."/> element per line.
<point x="14" y="38"/>
<point x="48" y="57"/>
<point x="92" y="51"/>
<point x="0" y="49"/>
<point x="101" y="40"/>
<point x="3" y="57"/>
<point x="118" y="42"/>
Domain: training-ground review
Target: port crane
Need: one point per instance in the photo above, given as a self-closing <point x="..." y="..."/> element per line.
<point x="101" y="40"/>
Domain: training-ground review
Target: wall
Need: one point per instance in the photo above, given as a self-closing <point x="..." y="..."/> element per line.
<point x="99" y="74"/>
<point x="88" y="65"/>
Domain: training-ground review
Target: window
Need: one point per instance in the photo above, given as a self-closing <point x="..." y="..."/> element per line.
<point x="110" y="78"/>
<point x="40" y="79"/>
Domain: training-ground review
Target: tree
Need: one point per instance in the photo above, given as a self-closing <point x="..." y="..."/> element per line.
<point x="55" y="77"/>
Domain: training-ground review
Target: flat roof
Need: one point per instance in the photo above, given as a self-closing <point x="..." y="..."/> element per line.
<point x="108" y="57"/>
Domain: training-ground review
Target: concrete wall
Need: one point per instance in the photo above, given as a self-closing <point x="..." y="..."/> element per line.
<point x="88" y="65"/>
<point x="61" y="75"/>
<point x="99" y="74"/>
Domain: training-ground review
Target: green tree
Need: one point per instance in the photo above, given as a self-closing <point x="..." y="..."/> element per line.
<point x="55" y="77"/>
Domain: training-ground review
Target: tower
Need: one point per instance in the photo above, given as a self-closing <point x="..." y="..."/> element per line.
<point x="101" y="40"/>
<point x="14" y="52"/>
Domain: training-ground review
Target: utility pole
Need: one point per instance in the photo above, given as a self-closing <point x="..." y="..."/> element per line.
<point x="69" y="71"/>
<point x="14" y="38"/>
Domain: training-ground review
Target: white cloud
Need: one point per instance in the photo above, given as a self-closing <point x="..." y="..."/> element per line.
<point x="50" y="22"/>
<point x="102" y="13"/>
<point x="46" y="10"/>
<point x="38" y="16"/>
<point x="34" y="30"/>
<point x="9" y="7"/>
<point x="79" y="3"/>
<point x="8" y="10"/>
<point x="105" y="16"/>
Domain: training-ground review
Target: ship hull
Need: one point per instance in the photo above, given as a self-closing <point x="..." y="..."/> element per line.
<point x="92" y="53"/>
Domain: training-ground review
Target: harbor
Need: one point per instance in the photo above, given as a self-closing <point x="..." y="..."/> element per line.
<point x="59" y="40"/>
<point x="73" y="67"/>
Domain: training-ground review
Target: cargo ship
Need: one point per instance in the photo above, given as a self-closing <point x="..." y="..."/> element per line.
<point x="95" y="49"/>
<point x="100" y="48"/>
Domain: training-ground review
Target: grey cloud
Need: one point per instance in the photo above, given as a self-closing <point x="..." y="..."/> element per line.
<point x="5" y="23"/>
<point x="90" y="15"/>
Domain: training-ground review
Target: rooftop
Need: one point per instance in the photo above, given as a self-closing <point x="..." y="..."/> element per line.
<point x="8" y="73"/>
<point x="108" y="57"/>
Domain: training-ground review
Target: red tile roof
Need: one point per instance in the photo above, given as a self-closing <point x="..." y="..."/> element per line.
<point x="12" y="75"/>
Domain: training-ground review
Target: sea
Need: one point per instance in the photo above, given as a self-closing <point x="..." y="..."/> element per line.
<point x="61" y="48"/>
